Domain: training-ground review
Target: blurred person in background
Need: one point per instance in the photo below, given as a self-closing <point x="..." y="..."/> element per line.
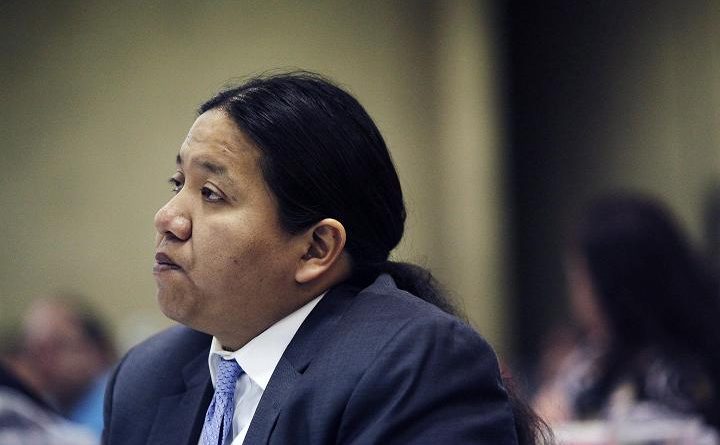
<point x="26" y="418"/>
<point x="72" y="353"/>
<point x="649" y="317"/>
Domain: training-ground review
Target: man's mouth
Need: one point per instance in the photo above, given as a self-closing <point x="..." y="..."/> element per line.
<point x="163" y="262"/>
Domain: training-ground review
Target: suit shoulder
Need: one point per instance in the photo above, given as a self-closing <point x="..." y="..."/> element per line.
<point x="174" y="340"/>
<point x="175" y="337"/>
<point x="385" y="316"/>
<point x="163" y="352"/>
<point x="384" y="302"/>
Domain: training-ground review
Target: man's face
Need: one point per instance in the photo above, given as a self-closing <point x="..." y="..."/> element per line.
<point x="224" y="265"/>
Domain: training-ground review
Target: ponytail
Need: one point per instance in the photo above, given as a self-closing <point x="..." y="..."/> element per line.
<point x="412" y="279"/>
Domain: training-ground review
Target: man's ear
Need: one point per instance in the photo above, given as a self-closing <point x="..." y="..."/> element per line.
<point x="324" y="248"/>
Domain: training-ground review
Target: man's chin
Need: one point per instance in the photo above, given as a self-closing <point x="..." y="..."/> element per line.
<point x="175" y="309"/>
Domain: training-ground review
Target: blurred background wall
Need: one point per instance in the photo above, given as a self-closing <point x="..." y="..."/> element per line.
<point x="502" y="118"/>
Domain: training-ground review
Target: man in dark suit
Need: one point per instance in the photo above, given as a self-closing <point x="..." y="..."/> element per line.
<point x="273" y="254"/>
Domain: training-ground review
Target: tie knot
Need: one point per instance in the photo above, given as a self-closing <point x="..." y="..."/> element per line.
<point x="228" y="373"/>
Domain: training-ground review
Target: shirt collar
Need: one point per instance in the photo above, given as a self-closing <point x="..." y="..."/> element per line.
<point x="259" y="357"/>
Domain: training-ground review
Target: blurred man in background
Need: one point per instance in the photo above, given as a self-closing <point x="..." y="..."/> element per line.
<point x="72" y="353"/>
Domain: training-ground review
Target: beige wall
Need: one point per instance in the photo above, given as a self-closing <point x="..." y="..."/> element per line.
<point x="97" y="97"/>
<point x="471" y="241"/>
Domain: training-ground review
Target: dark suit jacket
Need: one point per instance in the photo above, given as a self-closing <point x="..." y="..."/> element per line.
<point x="377" y="366"/>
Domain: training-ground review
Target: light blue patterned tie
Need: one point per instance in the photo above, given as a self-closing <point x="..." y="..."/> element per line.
<point x="218" y="420"/>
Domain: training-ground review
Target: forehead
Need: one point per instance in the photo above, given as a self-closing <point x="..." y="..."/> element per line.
<point x="217" y="144"/>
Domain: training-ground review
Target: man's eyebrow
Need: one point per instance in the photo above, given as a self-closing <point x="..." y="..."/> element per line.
<point x="205" y="164"/>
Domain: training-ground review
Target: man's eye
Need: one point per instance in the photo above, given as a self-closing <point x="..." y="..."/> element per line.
<point x="175" y="185"/>
<point x="210" y="195"/>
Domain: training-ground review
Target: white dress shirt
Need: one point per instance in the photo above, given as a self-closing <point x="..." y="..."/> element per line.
<point x="258" y="358"/>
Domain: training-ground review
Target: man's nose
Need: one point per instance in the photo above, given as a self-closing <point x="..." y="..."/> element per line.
<point x="172" y="220"/>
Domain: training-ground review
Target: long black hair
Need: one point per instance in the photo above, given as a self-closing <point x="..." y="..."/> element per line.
<point x="655" y="294"/>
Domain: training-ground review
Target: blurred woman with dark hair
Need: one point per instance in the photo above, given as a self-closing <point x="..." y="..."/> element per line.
<point x="649" y="317"/>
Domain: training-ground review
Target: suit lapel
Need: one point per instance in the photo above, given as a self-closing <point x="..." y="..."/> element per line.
<point x="307" y="342"/>
<point x="263" y="421"/>
<point x="181" y="416"/>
